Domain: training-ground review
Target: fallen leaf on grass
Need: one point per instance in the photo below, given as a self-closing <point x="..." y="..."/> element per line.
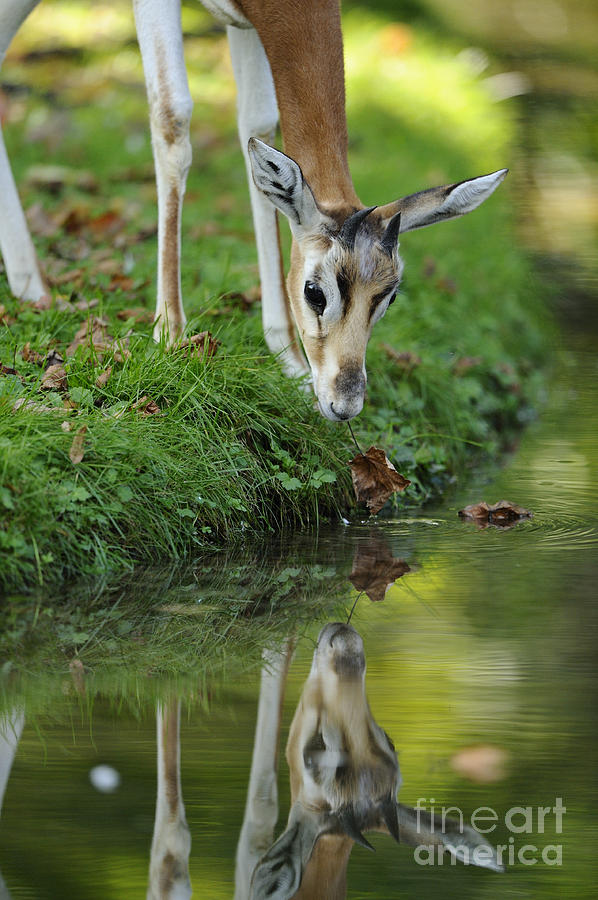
<point x="120" y="282"/>
<point x="146" y="406"/>
<point x="54" y="178"/>
<point x="7" y="370"/>
<point x="503" y="513"/>
<point x="93" y="333"/>
<point x="77" y="451"/>
<point x="103" y="377"/>
<point x="54" y="379"/>
<point x="139" y="313"/>
<point x="466" y="363"/>
<point x="375" y="569"/>
<point x="35" y="407"/>
<point x="375" y="479"/>
<point x="202" y="345"/>
<point x="482" y="763"/>
<point x="404" y="359"/>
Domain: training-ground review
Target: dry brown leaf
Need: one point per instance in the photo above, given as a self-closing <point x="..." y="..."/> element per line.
<point x="466" y="363"/>
<point x="44" y="302"/>
<point x="86" y="305"/>
<point x="202" y="345"/>
<point x="482" y="763"/>
<point x="7" y="370"/>
<point x="503" y="514"/>
<point x="146" y="406"/>
<point x="93" y="332"/>
<point x="121" y="282"/>
<point x="139" y="313"/>
<point x="53" y="178"/>
<point x="34" y="407"/>
<point x="375" y="569"/>
<point x="103" y="377"/>
<point x="32" y="356"/>
<point x="77" y="451"/>
<point x="404" y="359"/>
<point x="375" y="479"/>
<point x="71" y="276"/>
<point x="54" y="379"/>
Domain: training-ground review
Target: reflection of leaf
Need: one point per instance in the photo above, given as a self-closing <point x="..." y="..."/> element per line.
<point x="77" y="450"/>
<point x="503" y="513"/>
<point x="483" y="763"/>
<point x="375" y="478"/>
<point x="375" y="569"/>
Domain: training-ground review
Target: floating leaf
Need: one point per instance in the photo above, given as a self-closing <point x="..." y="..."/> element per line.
<point x="503" y="514"/>
<point x="482" y="763"/>
<point x="375" y="569"/>
<point x="77" y="451"/>
<point x="375" y="479"/>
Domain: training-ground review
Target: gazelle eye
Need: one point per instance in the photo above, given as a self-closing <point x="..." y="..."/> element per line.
<point x="393" y="297"/>
<point x="315" y="298"/>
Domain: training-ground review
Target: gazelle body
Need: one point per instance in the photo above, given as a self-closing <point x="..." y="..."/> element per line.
<point x="345" y="269"/>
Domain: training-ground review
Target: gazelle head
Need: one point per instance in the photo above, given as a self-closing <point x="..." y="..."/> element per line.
<point x="344" y="781"/>
<point x="345" y="267"/>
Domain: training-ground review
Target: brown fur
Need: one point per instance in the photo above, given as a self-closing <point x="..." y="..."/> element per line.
<point x="311" y="98"/>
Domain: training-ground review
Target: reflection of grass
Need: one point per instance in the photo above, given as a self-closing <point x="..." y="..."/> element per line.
<point x="160" y="630"/>
<point x="417" y="117"/>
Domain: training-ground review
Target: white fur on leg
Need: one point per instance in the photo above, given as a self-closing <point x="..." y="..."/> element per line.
<point x="258" y="117"/>
<point x="160" y="40"/>
<point x="16" y="246"/>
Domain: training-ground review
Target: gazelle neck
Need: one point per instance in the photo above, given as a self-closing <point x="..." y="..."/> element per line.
<point x="325" y="876"/>
<point x="305" y="53"/>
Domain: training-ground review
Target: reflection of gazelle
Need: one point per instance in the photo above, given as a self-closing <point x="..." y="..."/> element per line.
<point x="344" y="781"/>
<point x="171" y="843"/>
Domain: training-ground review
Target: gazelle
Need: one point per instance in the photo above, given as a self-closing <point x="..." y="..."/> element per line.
<point x="345" y="268"/>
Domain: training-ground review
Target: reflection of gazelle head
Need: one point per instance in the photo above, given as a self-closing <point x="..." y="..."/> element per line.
<point x="345" y="266"/>
<point x="344" y="780"/>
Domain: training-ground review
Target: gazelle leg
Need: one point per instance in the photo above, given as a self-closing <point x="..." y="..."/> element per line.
<point x="158" y="25"/>
<point x="258" y="117"/>
<point x="24" y="276"/>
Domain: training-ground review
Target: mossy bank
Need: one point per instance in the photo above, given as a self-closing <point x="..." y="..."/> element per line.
<point x="179" y="450"/>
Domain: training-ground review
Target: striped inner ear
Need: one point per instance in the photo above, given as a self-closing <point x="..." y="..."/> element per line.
<point x="280" y="179"/>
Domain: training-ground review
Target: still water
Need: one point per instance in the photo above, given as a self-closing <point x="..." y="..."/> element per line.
<point x="481" y="669"/>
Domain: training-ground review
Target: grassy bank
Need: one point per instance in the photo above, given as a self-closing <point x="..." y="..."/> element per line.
<point x="179" y="450"/>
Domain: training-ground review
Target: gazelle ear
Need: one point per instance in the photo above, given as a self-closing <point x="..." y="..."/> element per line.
<point x="417" y="827"/>
<point x="281" y="180"/>
<point x="278" y="874"/>
<point x="439" y="203"/>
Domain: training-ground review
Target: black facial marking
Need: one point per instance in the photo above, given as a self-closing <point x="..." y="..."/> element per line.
<point x="344" y="287"/>
<point x="380" y="296"/>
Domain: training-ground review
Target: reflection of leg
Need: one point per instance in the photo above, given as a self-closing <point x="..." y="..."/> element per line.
<point x="11" y="727"/>
<point x="159" y="32"/>
<point x="171" y="843"/>
<point x="258" y="117"/>
<point x="16" y="245"/>
<point x="261" y="808"/>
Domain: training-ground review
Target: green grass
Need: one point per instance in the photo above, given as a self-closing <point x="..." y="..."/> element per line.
<point x="235" y="445"/>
